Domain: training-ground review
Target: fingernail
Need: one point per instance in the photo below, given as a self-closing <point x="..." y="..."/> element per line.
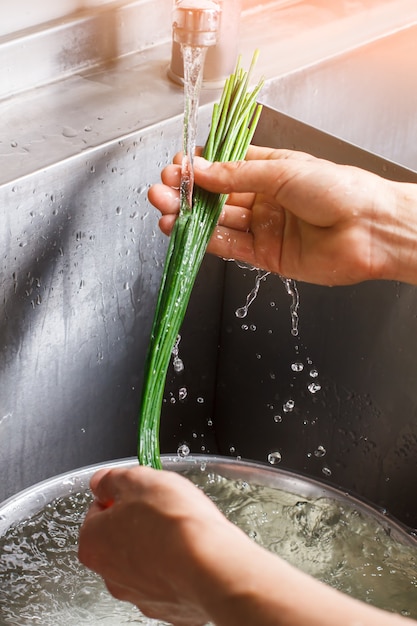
<point x="201" y="164"/>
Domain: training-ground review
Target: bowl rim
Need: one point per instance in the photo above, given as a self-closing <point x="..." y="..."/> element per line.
<point x="30" y="500"/>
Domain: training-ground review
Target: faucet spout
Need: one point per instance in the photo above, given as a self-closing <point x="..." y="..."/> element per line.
<point x="196" y="22"/>
<point x="213" y="24"/>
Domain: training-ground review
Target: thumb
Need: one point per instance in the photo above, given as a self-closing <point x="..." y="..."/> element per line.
<point x="104" y="485"/>
<point x="255" y="176"/>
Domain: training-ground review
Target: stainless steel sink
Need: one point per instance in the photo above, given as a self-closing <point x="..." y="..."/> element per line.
<point x="359" y="428"/>
<point x="82" y="256"/>
<point x="366" y="96"/>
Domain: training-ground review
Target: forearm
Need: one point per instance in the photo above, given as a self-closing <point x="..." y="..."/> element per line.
<point x="395" y="234"/>
<point x="266" y="591"/>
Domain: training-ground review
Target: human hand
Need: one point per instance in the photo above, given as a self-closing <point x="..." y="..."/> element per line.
<point x="162" y="545"/>
<point x="155" y="539"/>
<point x="304" y="218"/>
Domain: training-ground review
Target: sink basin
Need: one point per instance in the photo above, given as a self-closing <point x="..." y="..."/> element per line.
<point x="82" y="258"/>
<point x="366" y="96"/>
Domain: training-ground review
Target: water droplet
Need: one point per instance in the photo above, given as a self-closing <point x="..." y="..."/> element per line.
<point x="183" y="450"/>
<point x="244" y="326"/>
<point x="288" y="406"/>
<point x="278" y="419"/>
<point x="320" y="452"/>
<point x="13" y="144"/>
<point x="297" y="366"/>
<point x="119" y="210"/>
<point x="126" y="286"/>
<point x="67" y="131"/>
<point x="182" y="393"/>
<point x="314" y="387"/>
<point x="178" y="365"/>
<point x="314" y="373"/>
<point x="200" y="400"/>
<point x="326" y="471"/>
<point x="274" y="458"/>
<point x="232" y="449"/>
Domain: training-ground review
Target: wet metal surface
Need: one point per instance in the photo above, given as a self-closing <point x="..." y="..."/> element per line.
<point x="81" y="259"/>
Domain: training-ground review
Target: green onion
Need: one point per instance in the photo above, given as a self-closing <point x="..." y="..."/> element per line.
<point x="233" y="123"/>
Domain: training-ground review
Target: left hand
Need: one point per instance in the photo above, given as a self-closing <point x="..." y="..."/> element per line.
<point x="152" y="536"/>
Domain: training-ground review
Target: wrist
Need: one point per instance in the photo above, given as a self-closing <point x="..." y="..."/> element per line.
<point x="396" y="233"/>
<point x="243" y="588"/>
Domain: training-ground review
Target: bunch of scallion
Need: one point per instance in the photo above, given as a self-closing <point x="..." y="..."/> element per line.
<point x="233" y="123"/>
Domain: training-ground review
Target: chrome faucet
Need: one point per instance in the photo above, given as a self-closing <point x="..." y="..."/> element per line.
<point x="208" y="23"/>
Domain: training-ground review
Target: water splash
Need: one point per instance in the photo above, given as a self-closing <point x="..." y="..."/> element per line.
<point x="176" y="361"/>
<point x="243" y="311"/>
<point x="291" y="287"/>
<point x="183" y="450"/>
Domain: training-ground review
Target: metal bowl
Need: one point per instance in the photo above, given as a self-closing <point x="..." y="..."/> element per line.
<point x="317" y="543"/>
<point x="29" y="501"/>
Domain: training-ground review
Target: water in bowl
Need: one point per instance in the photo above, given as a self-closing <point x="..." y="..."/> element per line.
<point x="42" y="581"/>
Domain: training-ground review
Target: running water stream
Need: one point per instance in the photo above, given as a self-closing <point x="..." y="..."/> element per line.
<point x="193" y="76"/>
<point x="195" y="25"/>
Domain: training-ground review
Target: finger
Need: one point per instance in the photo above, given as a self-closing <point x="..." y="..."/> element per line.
<point x="93" y="510"/>
<point x="241" y="199"/>
<point x="120" y="482"/>
<point x="166" y="223"/>
<point x="171" y="176"/>
<point x="235" y="217"/>
<point x="179" y="156"/>
<point x="260" y="153"/>
<point x="164" y="198"/>
<point x="239" y="176"/>
<point x="230" y="244"/>
<point x="120" y="592"/>
<point x="96" y="478"/>
<point x="298" y="185"/>
<point x="105" y="485"/>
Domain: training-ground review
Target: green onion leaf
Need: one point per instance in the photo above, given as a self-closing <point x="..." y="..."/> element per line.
<point x="233" y="123"/>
